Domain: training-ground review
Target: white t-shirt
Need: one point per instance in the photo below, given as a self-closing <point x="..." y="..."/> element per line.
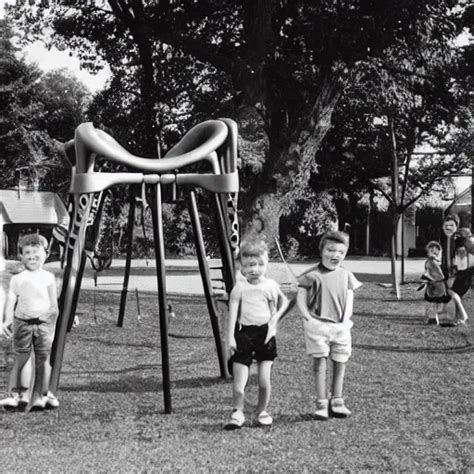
<point x="257" y="302"/>
<point x="31" y="290"/>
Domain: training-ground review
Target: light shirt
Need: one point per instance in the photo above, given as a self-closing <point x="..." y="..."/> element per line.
<point x="327" y="291"/>
<point x="257" y="303"/>
<point x="31" y="291"/>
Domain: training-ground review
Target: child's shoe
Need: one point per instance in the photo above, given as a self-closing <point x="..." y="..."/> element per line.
<point x="10" y="403"/>
<point x="237" y="420"/>
<point x="337" y="408"/>
<point x="38" y="405"/>
<point x="322" y="411"/>
<point x="264" y="419"/>
<point x="50" y="401"/>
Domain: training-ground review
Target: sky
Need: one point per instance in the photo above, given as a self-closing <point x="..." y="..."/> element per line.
<point x="48" y="60"/>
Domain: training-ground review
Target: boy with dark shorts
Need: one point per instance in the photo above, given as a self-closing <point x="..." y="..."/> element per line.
<point x="31" y="310"/>
<point x="256" y="304"/>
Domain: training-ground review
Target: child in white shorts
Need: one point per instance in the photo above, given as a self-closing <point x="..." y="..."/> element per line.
<point x="325" y="300"/>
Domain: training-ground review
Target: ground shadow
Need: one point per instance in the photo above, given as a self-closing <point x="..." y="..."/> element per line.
<point x="134" y="384"/>
<point x="466" y="348"/>
<point x="401" y="318"/>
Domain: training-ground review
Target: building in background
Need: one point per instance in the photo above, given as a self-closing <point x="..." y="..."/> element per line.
<point x="26" y="211"/>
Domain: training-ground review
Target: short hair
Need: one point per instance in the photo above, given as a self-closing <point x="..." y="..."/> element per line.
<point x="452" y="217"/>
<point x="334" y="236"/>
<point x="433" y="243"/>
<point x="34" y="240"/>
<point x="253" y="248"/>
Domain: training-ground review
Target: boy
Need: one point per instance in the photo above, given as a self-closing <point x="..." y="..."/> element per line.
<point x="256" y="304"/>
<point x="325" y="298"/>
<point x="32" y="310"/>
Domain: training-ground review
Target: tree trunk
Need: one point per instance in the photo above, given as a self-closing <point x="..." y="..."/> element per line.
<point x="263" y="218"/>
<point x="393" y="256"/>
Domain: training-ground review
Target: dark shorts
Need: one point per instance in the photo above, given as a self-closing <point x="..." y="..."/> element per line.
<point x="32" y="334"/>
<point x="250" y="345"/>
<point x="462" y="282"/>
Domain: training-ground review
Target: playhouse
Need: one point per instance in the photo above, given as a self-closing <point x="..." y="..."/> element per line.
<point x="26" y="211"/>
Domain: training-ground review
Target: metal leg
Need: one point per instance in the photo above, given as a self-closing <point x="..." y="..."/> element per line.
<point x="74" y="261"/>
<point x="206" y="280"/>
<point x="77" y="289"/>
<point x="162" y="303"/>
<point x="128" y="261"/>
<point x="226" y="252"/>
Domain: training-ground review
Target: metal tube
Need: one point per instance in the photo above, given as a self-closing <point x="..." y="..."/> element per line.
<point x="128" y="260"/>
<point x="162" y="304"/>
<point x="206" y="280"/>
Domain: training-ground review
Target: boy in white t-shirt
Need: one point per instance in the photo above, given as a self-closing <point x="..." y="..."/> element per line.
<point x="256" y="304"/>
<point x="32" y="310"/>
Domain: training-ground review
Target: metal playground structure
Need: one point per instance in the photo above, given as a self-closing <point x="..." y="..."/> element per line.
<point x="212" y="143"/>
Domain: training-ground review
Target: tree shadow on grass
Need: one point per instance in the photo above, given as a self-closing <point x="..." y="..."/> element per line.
<point x="466" y="348"/>
<point x="401" y="318"/>
<point x="134" y="384"/>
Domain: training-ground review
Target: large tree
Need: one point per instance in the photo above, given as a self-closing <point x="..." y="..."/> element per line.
<point x="283" y="64"/>
<point x="38" y="113"/>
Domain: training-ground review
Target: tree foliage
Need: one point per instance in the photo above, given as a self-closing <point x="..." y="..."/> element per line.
<point x="38" y="113"/>
<point x="278" y="67"/>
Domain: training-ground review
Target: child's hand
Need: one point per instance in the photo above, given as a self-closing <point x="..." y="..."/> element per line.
<point x="7" y="330"/>
<point x="53" y="313"/>
<point x="272" y="329"/>
<point x="232" y="346"/>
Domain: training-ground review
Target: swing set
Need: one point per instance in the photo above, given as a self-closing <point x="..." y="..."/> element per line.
<point x="212" y="143"/>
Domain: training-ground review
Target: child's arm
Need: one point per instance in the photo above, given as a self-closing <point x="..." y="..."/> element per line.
<point x="9" y="313"/>
<point x="349" y="306"/>
<point x="53" y="301"/>
<point x="282" y="305"/>
<point x="234" y="302"/>
<point x="301" y="301"/>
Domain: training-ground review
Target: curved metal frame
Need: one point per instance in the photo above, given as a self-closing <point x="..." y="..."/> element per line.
<point x="214" y="141"/>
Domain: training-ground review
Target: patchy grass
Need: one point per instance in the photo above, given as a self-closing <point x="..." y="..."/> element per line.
<point x="408" y="385"/>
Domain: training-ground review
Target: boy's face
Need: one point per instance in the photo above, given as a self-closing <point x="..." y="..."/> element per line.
<point x="434" y="252"/>
<point x="449" y="227"/>
<point x="461" y="252"/>
<point x="33" y="257"/>
<point x="333" y="254"/>
<point x="254" y="268"/>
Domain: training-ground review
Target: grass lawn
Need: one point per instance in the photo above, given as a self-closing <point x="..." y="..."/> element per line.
<point x="409" y="386"/>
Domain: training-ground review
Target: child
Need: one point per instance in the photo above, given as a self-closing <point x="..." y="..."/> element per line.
<point x="462" y="269"/>
<point x="32" y="310"/>
<point x="437" y="292"/>
<point x="325" y="298"/>
<point x="255" y="306"/>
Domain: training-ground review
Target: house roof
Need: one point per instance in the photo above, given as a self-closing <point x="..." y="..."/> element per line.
<point x="463" y="199"/>
<point x="32" y="207"/>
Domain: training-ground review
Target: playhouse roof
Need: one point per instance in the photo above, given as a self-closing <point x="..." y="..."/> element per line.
<point x="32" y="207"/>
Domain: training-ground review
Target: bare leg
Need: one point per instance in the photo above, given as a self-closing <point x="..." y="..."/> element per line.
<point x="264" y="384"/>
<point x="339" y="370"/>
<point x="319" y="369"/>
<point x="19" y="380"/>
<point x="241" y="375"/>
<point x="41" y="375"/>
<point x="459" y="306"/>
<point x="46" y="376"/>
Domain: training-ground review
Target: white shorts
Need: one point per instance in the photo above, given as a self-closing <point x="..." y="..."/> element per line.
<point x="324" y="339"/>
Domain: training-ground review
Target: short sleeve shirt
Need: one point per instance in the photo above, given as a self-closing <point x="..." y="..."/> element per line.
<point x="327" y="291"/>
<point x="257" y="302"/>
<point x="31" y="290"/>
